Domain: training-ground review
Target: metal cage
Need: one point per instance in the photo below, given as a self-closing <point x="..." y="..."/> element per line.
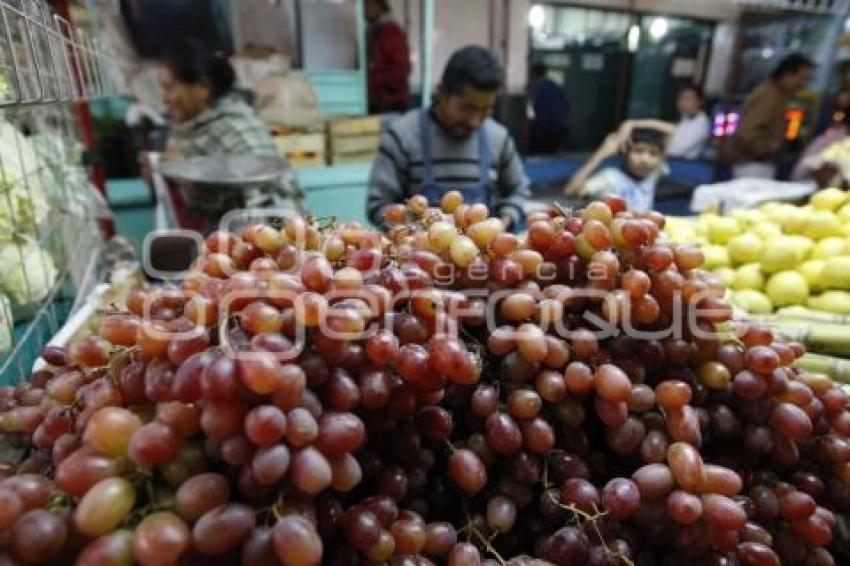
<point x="49" y="211"/>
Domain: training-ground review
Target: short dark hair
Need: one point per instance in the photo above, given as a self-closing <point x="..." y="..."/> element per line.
<point x="649" y="136"/>
<point x="694" y="88"/>
<point x="791" y="64"/>
<point x="384" y="4"/>
<point x="194" y="63"/>
<point x="539" y="69"/>
<point x="472" y="66"/>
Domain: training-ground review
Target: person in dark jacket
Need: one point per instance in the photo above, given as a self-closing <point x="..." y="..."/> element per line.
<point x="549" y="111"/>
<point x="760" y="136"/>
<point x="388" y="59"/>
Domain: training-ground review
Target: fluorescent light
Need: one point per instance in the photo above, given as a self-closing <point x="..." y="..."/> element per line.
<point x="536" y="16"/>
<point x="633" y="39"/>
<point x="658" y="28"/>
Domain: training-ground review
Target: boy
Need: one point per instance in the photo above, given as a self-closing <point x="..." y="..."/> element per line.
<point x="643" y="148"/>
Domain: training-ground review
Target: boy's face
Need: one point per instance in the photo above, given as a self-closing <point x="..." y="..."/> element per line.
<point x="642" y="159"/>
<point x="688" y="102"/>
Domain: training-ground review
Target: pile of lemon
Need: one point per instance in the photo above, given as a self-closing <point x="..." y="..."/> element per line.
<point x="778" y="254"/>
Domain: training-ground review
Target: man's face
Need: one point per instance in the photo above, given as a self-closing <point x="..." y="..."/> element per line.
<point x="462" y="114"/>
<point x="373" y="9"/>
<point x="642" y="159"/>
<point x="183" y="101"/>
<point x="792" y="82"/>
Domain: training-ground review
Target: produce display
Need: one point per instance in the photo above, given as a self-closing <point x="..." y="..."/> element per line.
<point x="778" y="255"/>
<point x="444" y="392"/>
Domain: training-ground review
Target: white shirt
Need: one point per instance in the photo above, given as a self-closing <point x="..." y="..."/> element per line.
<point x="639" y="194"/>
<point x="690" y="136"/>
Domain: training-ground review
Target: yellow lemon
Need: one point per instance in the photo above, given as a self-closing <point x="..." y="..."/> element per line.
<point x="782" y="253"/>
<point x="828" y="199"/>
<point x="801" y="244"/>
<point x="748" y="276"/>
<point x="715" y="256"/>
<point x="828" y="247"/>
<point x="787" y="288"/>
<point x="771" y="206"/>
<point x="752" y="301"/>
<point x="722" y="229"/>
<point x="767" y="230"/>
<point x="821" y="224"/>
<point x="836" y="273"/>
<point x="744" y="248"/>
<point x="794" y="220"/>
<point x="844" y="213"/>
<point x="811" y="270"/>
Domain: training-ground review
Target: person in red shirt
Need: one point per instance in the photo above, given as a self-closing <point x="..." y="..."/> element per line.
<point x="388" y="59"/>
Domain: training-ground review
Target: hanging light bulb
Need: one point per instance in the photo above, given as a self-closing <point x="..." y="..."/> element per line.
<point x="658" y="28"/>
<point x="536" y="16"/>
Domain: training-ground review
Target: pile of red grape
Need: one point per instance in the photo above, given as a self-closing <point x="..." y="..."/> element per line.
<point x="440" y="392"/>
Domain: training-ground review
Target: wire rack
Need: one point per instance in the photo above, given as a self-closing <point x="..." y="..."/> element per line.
<point x="49" y="212"/>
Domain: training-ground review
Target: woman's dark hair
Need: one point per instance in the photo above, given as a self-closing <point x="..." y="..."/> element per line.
<point x="694" y="88"/>
<point x="649" y="136"/>
<point x="472" y="66"/>
<point x="193" y="63"/>
<point x="791" y="64"/>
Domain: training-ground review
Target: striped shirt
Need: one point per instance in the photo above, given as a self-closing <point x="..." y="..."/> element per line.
<point x="231" y="127"/>
<point x="399" y="169"/>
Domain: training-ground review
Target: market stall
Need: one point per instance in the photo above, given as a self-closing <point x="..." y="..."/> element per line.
<point x="604" y="388"/>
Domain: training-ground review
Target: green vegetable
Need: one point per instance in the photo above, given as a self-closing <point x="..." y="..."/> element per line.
<point x="23" y="203"/>
<point x="836" y="368"/>
<point x="27" y="272"/>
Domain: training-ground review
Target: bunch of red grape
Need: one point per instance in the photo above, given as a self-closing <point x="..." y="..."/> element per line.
<point x="443" y="391"/>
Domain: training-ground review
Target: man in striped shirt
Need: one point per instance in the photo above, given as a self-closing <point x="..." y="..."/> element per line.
<point x="453" y="145"/>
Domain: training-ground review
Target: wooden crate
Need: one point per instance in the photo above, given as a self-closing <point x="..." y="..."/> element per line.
<point x="355" y="144"/>
<point x="354" y="126"/>
<point x="348" y="158"/>
<point x="302" y="150"/>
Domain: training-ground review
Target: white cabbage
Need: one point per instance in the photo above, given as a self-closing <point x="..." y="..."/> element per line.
<point x="27" y="272"/>
<point x="23" y="202"/>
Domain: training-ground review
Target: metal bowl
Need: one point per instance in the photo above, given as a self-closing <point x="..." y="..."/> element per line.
<point x="225" y="170"/>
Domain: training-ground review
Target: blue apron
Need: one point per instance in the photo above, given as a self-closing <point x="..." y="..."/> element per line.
<point x="433" y="191"/>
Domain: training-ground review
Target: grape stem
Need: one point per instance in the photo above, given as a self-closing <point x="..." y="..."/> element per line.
<point x="487" y="542"/>
<point x="566" y="212"/>
<point x="581" y="517"/>
<point x="58" y="501"/>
